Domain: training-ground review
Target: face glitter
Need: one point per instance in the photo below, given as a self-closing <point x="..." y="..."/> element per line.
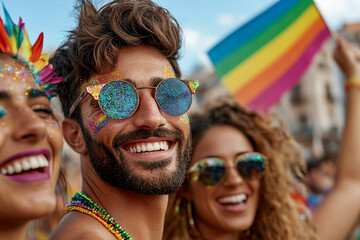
<point x="2" y="112"/>
<point x="6" y="123"/>
<point x="169" y="72"/>
<point x="97" y="123"/>
<point x="102" y="79"/>
<point x="15" y="73"/>
<point x="184" y="119"/>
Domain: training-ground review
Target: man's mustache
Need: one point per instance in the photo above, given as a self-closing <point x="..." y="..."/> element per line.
<point x="143" y="134"/>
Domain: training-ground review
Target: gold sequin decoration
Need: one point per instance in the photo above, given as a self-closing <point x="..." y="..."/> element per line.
<point x="169" y="72"/>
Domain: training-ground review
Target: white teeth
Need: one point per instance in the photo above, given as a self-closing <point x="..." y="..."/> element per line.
<point x="156" y="146"/>
<point x="149" y="147"/>
<point x="34" y="163"/>
<point x="46" y="163"/>
<point x="10" y="170"/>
<point x="42" y="161"/>
<point x="240" y="198"/>
<point x="17" y="167"/>
<point x="24" y="164"/>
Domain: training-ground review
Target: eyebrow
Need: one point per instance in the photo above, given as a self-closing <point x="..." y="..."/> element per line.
<point x="242" y="153"/>
<point x="36" y="93"/>
<point x="214" y="156"/>
<point x="153" y="82"/>
<point x="32" y="94"/>
<point x="4" y="95"/>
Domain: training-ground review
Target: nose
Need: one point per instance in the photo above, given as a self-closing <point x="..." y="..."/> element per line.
<point x="28" y="126"/>
<point x="148" y="115"/>
<point x="233" y="177"/>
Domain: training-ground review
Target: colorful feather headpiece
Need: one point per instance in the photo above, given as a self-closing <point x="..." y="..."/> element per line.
<point x="14" y="41"/>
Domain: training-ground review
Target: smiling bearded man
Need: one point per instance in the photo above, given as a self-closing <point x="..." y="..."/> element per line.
<point x="125" y="114"/>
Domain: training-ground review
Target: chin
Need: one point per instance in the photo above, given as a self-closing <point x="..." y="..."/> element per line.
<point x="240" y="225"/>
<point x="42" y="205"/>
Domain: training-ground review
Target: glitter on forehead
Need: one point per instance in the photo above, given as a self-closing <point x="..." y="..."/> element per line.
<point x="14" y="72"/>
<point x="169" y="72"/>
<point x="102" y="79"/>
<point x="184" y="119"/>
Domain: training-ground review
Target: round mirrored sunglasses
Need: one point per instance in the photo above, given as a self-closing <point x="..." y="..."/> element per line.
<point x="120" y="99"/>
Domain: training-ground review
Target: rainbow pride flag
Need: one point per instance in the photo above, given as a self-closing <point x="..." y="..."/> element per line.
<point x="267" y="56"/>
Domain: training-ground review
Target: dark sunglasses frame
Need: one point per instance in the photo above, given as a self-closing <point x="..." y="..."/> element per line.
<point x="195" y="171"/>
<point x="95" y="90"/>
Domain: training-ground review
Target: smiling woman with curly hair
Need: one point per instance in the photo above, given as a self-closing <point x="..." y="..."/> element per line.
<point x="261" y="206"/>
<point x="245" y="169"/>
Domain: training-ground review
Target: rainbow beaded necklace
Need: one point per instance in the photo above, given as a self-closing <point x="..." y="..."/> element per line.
<point x="82" y="203"/>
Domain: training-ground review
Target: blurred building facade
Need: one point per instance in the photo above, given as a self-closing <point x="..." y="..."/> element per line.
<point x="314" y="110"/>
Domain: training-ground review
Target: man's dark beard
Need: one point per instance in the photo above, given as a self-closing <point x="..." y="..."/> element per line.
<point x="116" y="171"/>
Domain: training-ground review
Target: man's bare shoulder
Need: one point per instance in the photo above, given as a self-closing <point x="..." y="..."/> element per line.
<point x="76" y="226"/>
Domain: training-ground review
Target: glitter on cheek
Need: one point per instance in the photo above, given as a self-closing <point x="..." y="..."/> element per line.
<point x="184" y="119"/>
<point x="97" y="123"/>
<point x="169" y="72"/>
<point x="53" y="127"/>
<point x="6" y="123"/>
<point x="91" y="124"/>
<point x="101" y="124"/>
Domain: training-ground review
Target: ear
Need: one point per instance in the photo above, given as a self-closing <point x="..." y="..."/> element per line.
<point x="73" y="136"/>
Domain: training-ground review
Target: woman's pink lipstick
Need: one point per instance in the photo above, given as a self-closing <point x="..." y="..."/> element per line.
<point x="40" y="173"/>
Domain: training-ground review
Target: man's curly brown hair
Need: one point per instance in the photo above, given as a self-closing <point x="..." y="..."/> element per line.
<point x="94" y="44"/>
<point x="277" y="215"/>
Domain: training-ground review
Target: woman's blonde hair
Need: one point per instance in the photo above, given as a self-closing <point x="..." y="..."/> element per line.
<point x="278" y="215"/>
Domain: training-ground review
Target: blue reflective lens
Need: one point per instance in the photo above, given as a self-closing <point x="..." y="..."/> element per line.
<point x="174" y="96"/>
<point x="118" y="99"/>
<point x="251" y="166"/>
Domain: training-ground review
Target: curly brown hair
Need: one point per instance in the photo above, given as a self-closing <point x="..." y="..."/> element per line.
<point x="93" y="45"/>
<point x="278" y="214"/>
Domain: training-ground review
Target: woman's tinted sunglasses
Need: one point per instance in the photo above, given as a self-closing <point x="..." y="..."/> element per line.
<point x="211" y="171"/>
